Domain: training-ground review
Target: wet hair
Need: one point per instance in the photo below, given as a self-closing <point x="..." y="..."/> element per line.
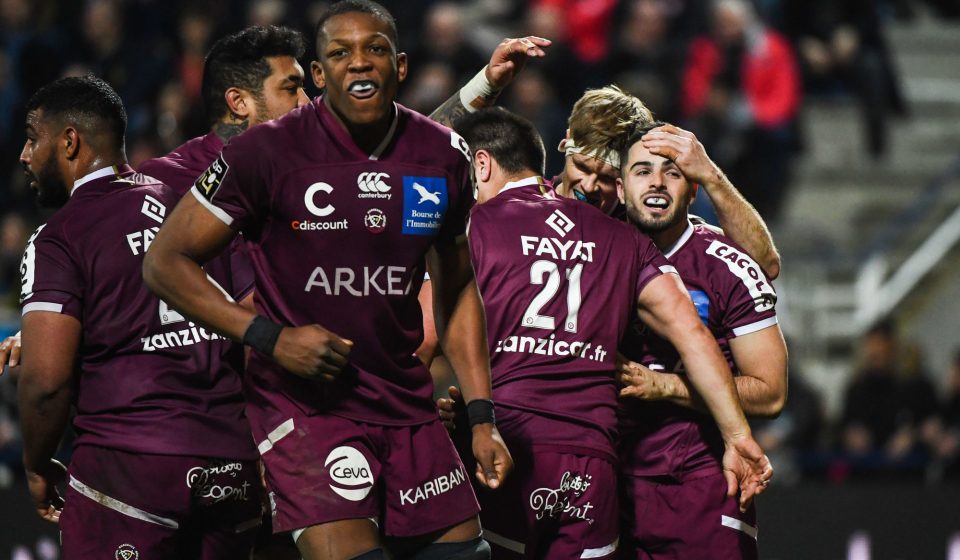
<point x="511" y="139"/>
<point x="240" y="60"/>
<point x="632" y="138"/>
<point x="86" y="102"/>
<point x="603" y="118"/>
<point x="356" y="6"/>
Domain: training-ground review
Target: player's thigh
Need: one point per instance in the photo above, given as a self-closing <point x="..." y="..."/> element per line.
<point x="323" y="470"/>
<point x="427" y="489"/>
<point x="338" y="540"/>
<point x="688" y="520"/>
<point x="123" y="505"/>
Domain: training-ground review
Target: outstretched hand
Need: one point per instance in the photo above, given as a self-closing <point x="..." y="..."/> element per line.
<point x="746" y="468"/>
<point x="510" y="56"/>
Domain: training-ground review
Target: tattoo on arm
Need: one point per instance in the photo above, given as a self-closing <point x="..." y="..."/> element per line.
<point x="226" y="131"/>
<point x="450" y="112"/>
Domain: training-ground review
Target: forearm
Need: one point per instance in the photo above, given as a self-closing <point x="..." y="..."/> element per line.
<point x="742" y="223"/>
<point x="183" y="284"/>
<point x="464" y="341"/>
<point x="475" y="95"/>
<point x="710" y="377"/>
<point x="44" y="413"/>
<point x="756" y="397"/>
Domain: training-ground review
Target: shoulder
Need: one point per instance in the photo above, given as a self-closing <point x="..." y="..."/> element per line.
<point x="419" y="129"/>
<point x="175" y="166"/>
<point x="276" y="136"/>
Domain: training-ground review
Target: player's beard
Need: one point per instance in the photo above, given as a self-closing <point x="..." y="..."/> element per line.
<point x="650" y="224"/>
<point x="51" y="188"/>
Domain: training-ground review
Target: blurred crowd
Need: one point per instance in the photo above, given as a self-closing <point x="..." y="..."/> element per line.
<point x="735" y="72"/>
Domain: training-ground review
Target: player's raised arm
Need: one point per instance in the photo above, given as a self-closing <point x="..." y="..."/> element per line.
<point x="738" y="218"/>
<point x="507" y="60"/>
<point x="461" y="328"/>
<point x="665" y="307"/>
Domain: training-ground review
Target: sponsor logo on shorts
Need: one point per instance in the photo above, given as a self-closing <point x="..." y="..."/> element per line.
<point x="350" y="474"/>
<point x="433" y="487"/>
<point x="126" y="552"/>
<point x="373" y="185"/>
<point x="424" y="204"/>
<point x="557" y="502"/>
<point x="210" y="181"/>
<point x="375" y="220"/>
<point x="213" y="483"/>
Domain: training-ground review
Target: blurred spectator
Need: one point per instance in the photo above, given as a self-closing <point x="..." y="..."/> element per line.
<point x="532" y="97"/>
<point x="741" y="94"/>
<point x="433" y="84"/>
<point x="948" y="446"/>
<point x="443" y="40"/>
<point x="796" y="432"/>
<point x="13" y="237"/>
<point x="645" y="59"/>
<point x="267" y="12"/>
<point x="890" y="408"/>
<point x="568" y="75"/>
<point x="842" y="47"/>
<point x="587" y="25"/>
<point x="194" y="31"/>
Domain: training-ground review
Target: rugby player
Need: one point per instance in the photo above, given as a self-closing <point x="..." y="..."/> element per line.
<point x="670" y="451"/>
<point x="598" y="125"/>
<point x="343" y="200"/>
<point x="560" y="282"/>
<point x="163" y="464"/>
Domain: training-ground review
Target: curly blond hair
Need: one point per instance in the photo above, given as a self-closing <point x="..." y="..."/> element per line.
<point x="602" y="119"/>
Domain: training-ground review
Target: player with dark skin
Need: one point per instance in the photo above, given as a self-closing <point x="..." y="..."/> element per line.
<point x="355" y="49"/>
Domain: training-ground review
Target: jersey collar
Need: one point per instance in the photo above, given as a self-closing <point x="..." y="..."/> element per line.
<point x="525" y="182"/>
<point x="684" y="237"/>
<point x="103" y="172"/>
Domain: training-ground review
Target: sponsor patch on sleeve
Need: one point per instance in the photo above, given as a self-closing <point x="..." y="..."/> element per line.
<point x="210" y="181"/>
<point x="748" y="271"/>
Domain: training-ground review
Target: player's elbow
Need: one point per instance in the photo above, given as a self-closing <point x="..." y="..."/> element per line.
<point x="773" y="407"/>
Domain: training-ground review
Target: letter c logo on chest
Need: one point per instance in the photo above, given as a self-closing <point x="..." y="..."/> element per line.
<point x="310" y="195"/>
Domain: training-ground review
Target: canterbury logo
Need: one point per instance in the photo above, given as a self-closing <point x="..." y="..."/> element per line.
<point x="373" y="183"/>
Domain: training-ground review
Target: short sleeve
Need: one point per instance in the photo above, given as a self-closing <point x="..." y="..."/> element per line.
<point x="652" y="263"/>
<point x="750" y="297"/>
<point x="50" y="279"/>
<point x="462" y="196"/>
<point x="234" y="188"/>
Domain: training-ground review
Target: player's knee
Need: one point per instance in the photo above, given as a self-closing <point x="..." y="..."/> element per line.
<point x="474" y="549"/>
<point x="375" y="554"/>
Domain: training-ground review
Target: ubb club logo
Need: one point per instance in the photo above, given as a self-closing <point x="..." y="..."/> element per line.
<point x="375" y="220"/>
<point x="126" y="552"/>
<point x="350" y="475"/>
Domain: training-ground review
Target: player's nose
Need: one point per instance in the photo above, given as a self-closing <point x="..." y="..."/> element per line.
<point x="25" y="155"/>
<point x="302" y="98"/>
<point x="589" y="183"/>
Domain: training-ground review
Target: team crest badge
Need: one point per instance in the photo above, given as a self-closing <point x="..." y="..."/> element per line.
<point x="126" y="552"/>
<point x="375" y="220"/>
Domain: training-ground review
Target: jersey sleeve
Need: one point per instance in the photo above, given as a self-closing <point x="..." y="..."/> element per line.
<point x="462" y="195"/>
<point x="652" y="263"/>
<point x="51" y="279"/>
<point x="750" y="299"/>
<point x="234" y="187"/>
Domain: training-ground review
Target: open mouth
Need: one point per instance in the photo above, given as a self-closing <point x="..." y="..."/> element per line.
<point x="657" y="202"/>
<point x="363" y="89"/>
<point x="592" y="199"/>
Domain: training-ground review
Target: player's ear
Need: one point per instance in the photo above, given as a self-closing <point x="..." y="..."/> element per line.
<point x="71" y="142"/>
<point x="238" y="102"/>
<point x="316" y="71"/>
<point x="402" y="66"/>
<point x="483" y="164"/>
<point x="620" y="191"/>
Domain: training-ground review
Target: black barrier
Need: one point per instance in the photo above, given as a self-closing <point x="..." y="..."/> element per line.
<point x="855" y="522"/>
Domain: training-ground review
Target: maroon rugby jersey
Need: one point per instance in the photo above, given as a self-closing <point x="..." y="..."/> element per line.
<point x="339" y="238"/>
<point x="560" y="282"/>
<point x="733" y="297"/>
<point x="179" y="170"/>
<point x="149" y="380"/>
